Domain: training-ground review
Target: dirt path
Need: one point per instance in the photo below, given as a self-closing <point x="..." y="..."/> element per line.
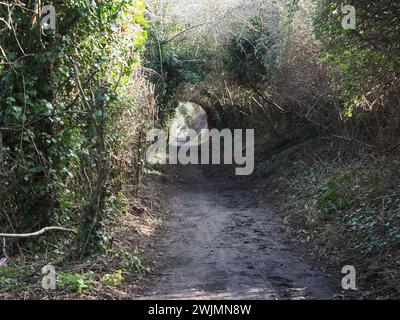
<point x="221" y="243"/>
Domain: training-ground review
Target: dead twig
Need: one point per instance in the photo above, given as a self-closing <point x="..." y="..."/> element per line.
<point x="35" y="234"/>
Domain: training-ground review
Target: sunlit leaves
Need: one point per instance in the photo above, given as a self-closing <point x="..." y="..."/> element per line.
<point x="51" y="138"/>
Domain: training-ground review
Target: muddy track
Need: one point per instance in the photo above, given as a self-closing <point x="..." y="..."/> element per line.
<point x="222" y="243"/>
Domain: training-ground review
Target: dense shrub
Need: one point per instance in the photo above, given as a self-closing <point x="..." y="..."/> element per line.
<point x="63" y="94"/>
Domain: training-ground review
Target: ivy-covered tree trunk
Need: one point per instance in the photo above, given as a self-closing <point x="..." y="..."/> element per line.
<point x="89" y="238"/>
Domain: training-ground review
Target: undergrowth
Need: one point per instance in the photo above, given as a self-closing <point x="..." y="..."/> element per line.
<point x="114" y="272"/>
<point x="346" y="208"/>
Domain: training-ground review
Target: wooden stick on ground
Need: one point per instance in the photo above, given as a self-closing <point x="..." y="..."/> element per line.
<point x="37" y="233"/>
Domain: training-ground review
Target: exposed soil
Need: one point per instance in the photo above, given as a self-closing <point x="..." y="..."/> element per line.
<point x="222" y="242"/>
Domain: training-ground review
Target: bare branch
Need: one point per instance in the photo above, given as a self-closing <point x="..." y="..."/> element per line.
<point x="37" y="233"/>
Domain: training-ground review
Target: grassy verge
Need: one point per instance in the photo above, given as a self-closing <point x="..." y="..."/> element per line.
<point x="115" y="273"/>
<point x="346" y="208"/>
